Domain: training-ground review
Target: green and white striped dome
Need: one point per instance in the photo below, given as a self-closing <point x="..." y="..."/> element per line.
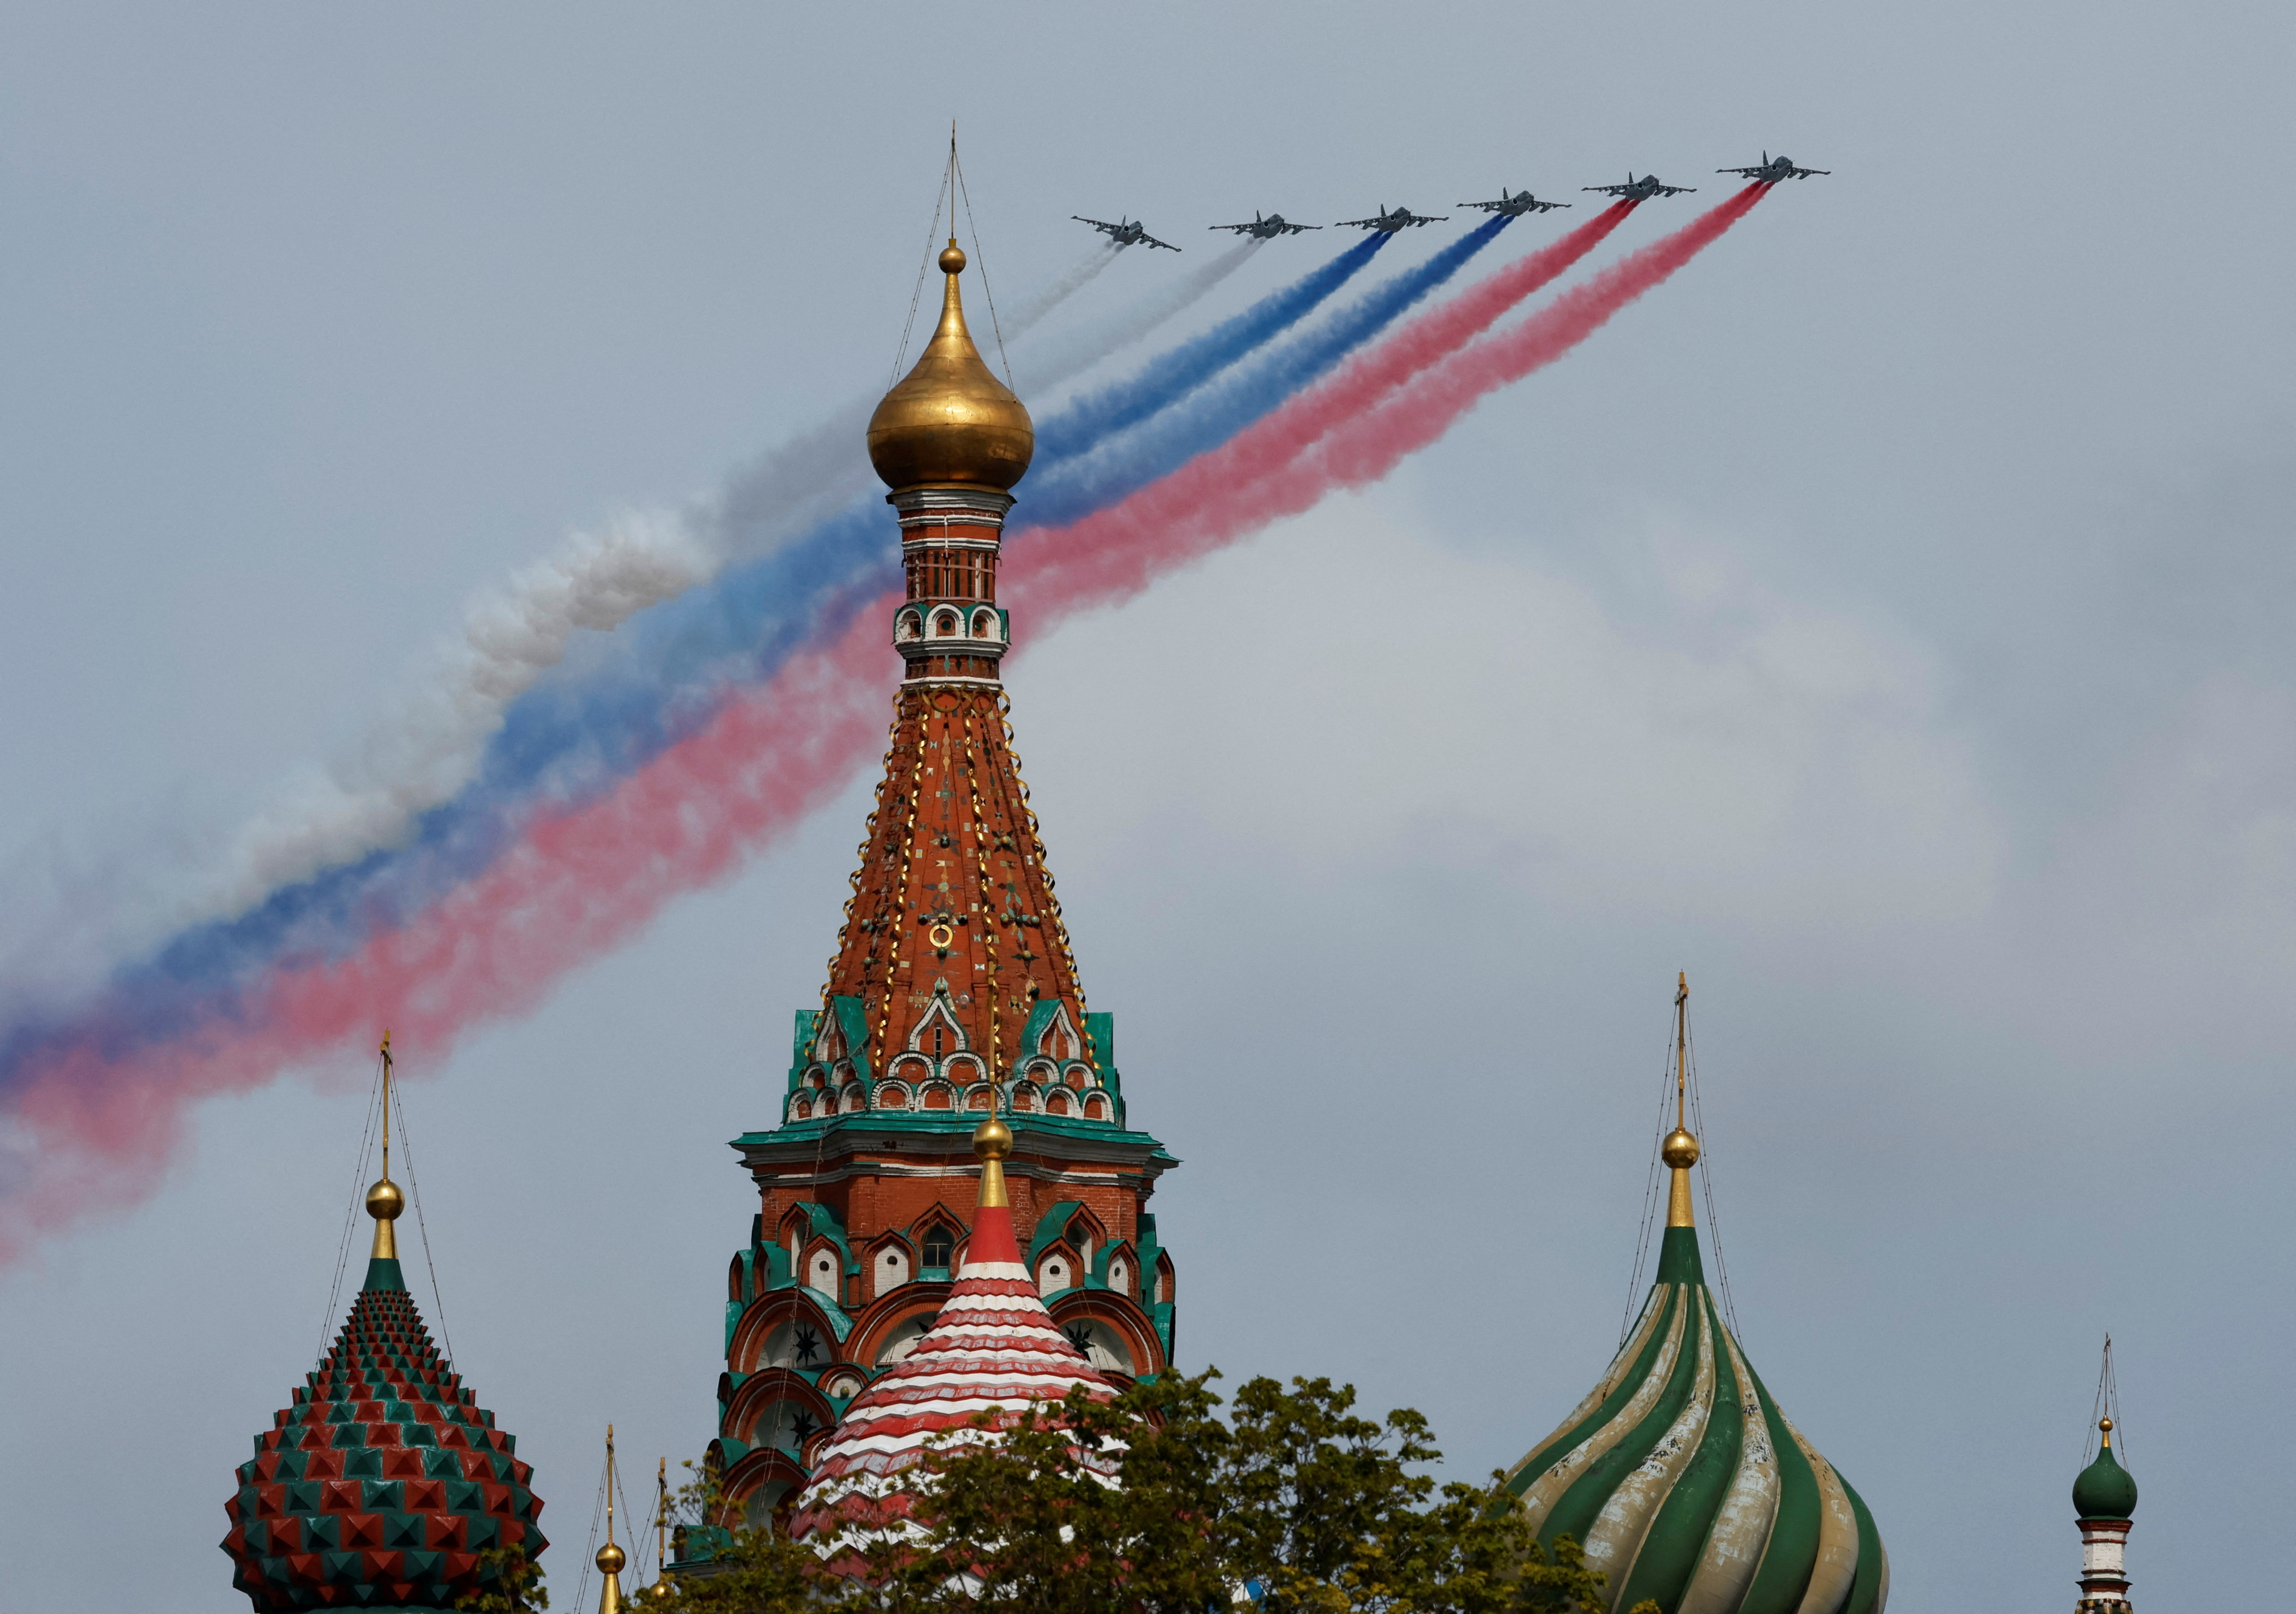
<point x="1684" y="1482"/>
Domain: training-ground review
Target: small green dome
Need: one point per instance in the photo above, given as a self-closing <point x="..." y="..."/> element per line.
<point x="2105" y="1490"/>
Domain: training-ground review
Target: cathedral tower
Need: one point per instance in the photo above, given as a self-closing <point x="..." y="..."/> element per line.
<point x="2104" y="1497"/>
<point x="953" y="979"/>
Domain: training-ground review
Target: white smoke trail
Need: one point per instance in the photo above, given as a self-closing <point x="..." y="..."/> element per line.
<point x="1081" y="350"/>
<point x="511" y="635"/>
<point x="514" y="635"/>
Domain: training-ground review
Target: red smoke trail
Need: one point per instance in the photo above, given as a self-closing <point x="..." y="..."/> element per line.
<point x="594" y="877"/>
<point x="578" y="885"/>
<point x="1336" y="438"/>
<point x="1286" y="432"/>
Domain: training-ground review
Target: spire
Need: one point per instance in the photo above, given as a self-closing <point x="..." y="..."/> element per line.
<point x="1679" y="1474"/>
<point x="1679" y="1258"/>
<point x="384" y="1202"/>
<point x="662" y="1529"/>
<point x="955" y="969"/>
<point x="2105" y="1499"/>
<point x="611" y="1558"/>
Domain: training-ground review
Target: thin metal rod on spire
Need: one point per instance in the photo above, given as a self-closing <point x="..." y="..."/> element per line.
<point x="1681" y="1048"/>
<point x="386" y="1104"/>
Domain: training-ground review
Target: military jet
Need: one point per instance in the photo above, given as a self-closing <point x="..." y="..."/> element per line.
<point x="1772" y="170"/>
<point x="1639" y="190"/>
<point x="1515" y="206"/>
<point x="1125" y="233"/>
<point x="1387" y="221"/>
<point x="1268" y="228"/>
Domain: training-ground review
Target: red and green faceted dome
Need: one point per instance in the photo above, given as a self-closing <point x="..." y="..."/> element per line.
<point x="379" y="1487"/>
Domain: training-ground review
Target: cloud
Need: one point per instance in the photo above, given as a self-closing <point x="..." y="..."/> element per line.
<point x="1709" y="745"/>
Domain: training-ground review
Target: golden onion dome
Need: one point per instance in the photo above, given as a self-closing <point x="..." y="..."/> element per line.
<point x="949" y="419"/>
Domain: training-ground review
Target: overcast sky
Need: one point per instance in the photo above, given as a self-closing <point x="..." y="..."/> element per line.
<point x="1885" y="622"/>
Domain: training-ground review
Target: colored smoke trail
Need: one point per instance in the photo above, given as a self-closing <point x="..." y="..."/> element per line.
<point x="1073" y="355"/>
<point x="1086" y="421"/>
<point x="1071" y="491"/>
<point x="1167" y="507"/>
<point x="94" y="1104"/>
<point x="435" y="747"/>
<point x="565" y="740"/>
<point x="94" y="1123"/>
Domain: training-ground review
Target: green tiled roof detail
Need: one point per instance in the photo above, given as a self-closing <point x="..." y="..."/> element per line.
<point x="1051" y="1225"/>
<point x="382" y="1485"/>
<point x="1102" y="1029"/>
<point x="1688" y="1487"/>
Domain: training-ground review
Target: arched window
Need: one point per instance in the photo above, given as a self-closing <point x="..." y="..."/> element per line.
<point x="941" y="1245"/>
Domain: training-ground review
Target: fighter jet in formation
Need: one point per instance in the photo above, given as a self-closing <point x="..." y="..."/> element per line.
<point x="1639" y="190"/>
<point x="1771" y="170"/>
<point x="1387" y="221"/>
<point x="1268" y="228"/>
<point x="1515" y="206"/>
<point x="1125" y="233"/>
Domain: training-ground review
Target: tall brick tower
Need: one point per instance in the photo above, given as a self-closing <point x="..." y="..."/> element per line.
<point x="953" y="976"/>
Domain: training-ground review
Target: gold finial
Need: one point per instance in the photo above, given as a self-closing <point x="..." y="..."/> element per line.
<point x="384" y="1202"/>
<point x="949" y="419"/>
<point x="661" y="1530"/>
<point x="2104" y="1426"/>
<point x="611" y="1558"/>
<point x="1680" y="1148"/>
<point x="992" y="1141"/>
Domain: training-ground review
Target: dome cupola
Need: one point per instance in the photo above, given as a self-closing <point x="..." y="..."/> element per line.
<point x="949" y="421"/>
<point x="1679" y="1474"/>
<point x="378" y="1488"/>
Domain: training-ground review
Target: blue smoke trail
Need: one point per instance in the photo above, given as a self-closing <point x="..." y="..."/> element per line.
<point x="1114" y="470"/>
<point x="1089" y="421"/>
<point x="572" y="736"/>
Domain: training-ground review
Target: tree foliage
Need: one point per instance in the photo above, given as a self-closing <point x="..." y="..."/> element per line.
<point x="1292" y="1497"/>
<point x="509" y="1583"/>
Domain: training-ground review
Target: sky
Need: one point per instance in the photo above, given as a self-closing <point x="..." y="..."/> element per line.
<point x="1883" y="622"/>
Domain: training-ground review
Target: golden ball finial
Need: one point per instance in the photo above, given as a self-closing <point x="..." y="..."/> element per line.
<point x="611" y="1558"/>
<point x="992" y="1140"/>
<point x="1680" y="1150"/>
<point x="384" y="1202"/>
<point x="949" y="419"/>
<point x="2105" y="1424"/>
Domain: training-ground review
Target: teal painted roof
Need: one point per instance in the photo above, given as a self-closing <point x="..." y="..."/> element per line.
<point x="1684" y="1482"/>
<point x="956" y="1123"/>
<point x="2105" y="1490"/>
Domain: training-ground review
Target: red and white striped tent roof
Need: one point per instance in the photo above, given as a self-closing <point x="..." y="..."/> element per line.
<point x="993" y="1345"/>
